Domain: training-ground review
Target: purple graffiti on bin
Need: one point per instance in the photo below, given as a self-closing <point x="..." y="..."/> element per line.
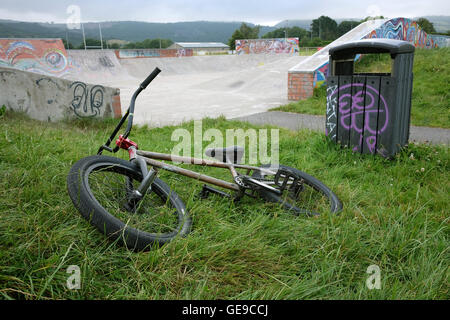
<point x="352" y="105"/>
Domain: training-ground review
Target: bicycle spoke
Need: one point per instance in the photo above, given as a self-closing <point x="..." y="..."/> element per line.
<point x="153" y="213"/>
<point x="297" y="195"/>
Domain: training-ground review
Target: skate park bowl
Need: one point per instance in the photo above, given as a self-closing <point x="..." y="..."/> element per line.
<point x="189" y="87"/>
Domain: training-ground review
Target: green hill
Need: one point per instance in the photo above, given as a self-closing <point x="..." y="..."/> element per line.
<point x="138" y="31"/>
<point x="127" y="30"/>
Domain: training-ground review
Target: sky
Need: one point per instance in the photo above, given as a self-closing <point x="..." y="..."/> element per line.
<point x="264" y="12"/>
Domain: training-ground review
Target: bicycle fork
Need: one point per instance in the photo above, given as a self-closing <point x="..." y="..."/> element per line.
<point x="134" y="195"/>
<point x="149" y="176"/>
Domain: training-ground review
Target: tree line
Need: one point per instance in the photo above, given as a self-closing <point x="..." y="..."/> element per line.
<point x="323" y="31"/>
<point x="145" y="44"/>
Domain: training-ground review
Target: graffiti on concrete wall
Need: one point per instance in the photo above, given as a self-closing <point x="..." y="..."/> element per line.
<point x="49" y="98"/>
<point x="320" y="75"/>
<point x="153" y="53"/>
<point x="440" y="40"/>
<point x="44" y="56"/>
<point x="133" y="54"/>
<point x="181" y="53"/>
<point x="106" y="62"/>
<point x="86" y="103"/>
<point x="40" y="81"/>
<point x="268" y="46"/>
<point x="364" y="112"/>
<point x="403" y="29"/>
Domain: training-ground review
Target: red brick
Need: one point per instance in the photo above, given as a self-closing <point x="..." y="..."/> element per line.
<point x="116" y="106"/>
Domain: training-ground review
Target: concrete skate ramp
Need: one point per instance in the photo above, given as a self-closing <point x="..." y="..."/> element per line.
<point x="95" y="66"/>
<point x="209" y="86"/>
<point x="32" y="73"/>
<point x="43" y="56"/>
<point x="49" y="98"/>
<point x="317" y="61"/>
<point x="190" y="87"/>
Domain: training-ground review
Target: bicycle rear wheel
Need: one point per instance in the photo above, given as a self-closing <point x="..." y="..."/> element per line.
<point x="302" y="193"/>
<point x="100" y="188"/>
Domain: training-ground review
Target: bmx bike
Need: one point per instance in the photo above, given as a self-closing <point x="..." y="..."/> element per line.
<point x="126" y="201"/>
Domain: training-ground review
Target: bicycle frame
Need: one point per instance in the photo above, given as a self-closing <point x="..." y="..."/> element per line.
<point x="144" y="158"/>
<point x="150" y="157"/>
<point x="114" y="194"/>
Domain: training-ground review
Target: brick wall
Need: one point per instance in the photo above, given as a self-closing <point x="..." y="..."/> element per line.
<point x="300" y="85"/>
<point x="116" y="106"/>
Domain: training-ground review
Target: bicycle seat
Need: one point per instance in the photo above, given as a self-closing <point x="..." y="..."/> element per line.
<point x="231" y="154"/>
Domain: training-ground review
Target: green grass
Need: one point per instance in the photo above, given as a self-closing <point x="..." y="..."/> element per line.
<point x="431" y="89"/>
<point x="315" y="105"/>
<point x="304" y="51"/>
<point x="395" y="216"/>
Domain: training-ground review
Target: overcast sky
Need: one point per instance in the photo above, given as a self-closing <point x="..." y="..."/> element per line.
<point x="263" y="12"/>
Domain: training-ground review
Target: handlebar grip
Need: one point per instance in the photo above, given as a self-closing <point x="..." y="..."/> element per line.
<point x="150" y="78"/>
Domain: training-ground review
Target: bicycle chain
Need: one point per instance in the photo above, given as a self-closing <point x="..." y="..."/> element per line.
<point x="241" y="183"/>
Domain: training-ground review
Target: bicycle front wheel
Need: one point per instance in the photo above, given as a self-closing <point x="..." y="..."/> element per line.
<point x="100" y="188"/>
<point x="301" y="193"/>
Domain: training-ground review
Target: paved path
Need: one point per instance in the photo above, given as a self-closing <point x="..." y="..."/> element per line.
<point x="295" y="121"/>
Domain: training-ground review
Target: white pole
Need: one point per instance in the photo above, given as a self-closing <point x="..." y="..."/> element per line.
<point x="101" y="38"/>
<point x="84" y="38"/>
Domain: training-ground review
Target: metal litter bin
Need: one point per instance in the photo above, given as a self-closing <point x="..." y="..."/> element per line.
<point x="370" y="112"/>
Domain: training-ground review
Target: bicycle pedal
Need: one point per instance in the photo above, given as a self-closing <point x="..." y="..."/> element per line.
<point x="207" y="190"/>
<point x="131" y="208"/>
<point x="287" y="179"/>
<point x="296" y="188"/>
<point x="203" y="194"/>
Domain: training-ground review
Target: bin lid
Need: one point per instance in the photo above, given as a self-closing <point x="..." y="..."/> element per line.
<point x="371" y="46"/>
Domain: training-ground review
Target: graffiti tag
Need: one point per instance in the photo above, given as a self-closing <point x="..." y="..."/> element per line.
<point x="106" y="62"/>
<point x="86" y="103"/>
<point x="366" y="103"/>
<point x="331" y="120"/>
<point x="181" y="53"/>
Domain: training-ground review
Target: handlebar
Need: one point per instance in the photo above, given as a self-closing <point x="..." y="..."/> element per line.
<point x="129" y="114"/>
<point x="150" y="78"/>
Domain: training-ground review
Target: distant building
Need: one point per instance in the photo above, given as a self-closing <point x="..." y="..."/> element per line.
<point x="201" y="47"/>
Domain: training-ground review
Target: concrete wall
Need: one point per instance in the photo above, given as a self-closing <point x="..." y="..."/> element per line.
<point x="49" y="98"/>
<point x="267" y="46"/>
<point x="404" y="29"/>
<point x="95" y="66"/>
<point x="201" y="50"/>
<point x="153" y="53"/>
<point x="441" y="40"/>
<point x="44" y="56"/>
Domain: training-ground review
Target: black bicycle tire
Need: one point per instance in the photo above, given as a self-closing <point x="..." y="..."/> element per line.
<point x="112" y="227"/>
<point x="335" y="203"/>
